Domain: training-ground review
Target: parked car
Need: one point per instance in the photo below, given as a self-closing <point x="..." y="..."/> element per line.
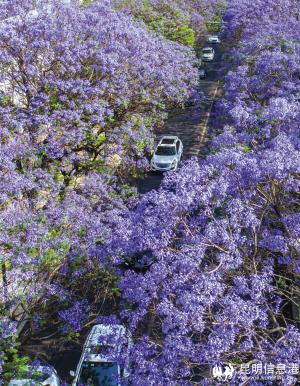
<point x="167" y="154"/>
<point x="37" y="375"/>
<point x="208" y="54"/>
<point x="202" y="73"/>
<point x="214" y="39"/>
<point x="100" y="360"/>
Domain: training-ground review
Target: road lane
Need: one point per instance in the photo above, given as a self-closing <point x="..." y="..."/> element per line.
<point x="189" y="124"/>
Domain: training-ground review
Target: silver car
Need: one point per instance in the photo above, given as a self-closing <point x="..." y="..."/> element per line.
<point x="38" y="375"/>
<point x="214" y="39"/>
<point x="167" y="154"/>
<point x="208" y="54"/>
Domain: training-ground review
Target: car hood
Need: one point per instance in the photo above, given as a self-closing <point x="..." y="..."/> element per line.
<point x="164" y="158"/>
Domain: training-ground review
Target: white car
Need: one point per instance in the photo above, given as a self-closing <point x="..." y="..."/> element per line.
<point x="167" y="154"/>
<point x="208" y="54"/>
<point x="214" y="39"/>
<point x="38" y="375"/>
<point x="106" y="347"/>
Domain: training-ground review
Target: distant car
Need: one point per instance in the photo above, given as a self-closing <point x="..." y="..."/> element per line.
<point x="208" y="54"/>
<point x="214" y="39"/>
<point x="167" y="154"/>
<point x="202" y="73"/>
<point x="38" y="375"/>
<point x="99" y="363"/>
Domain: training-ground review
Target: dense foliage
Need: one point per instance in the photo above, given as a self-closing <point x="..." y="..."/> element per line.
<point x="206" y="264"/>
<point x="177" y="20"/>
<point x="168" y="20"/>
<point x="213" y="256"/>
<point x="81" y="90"/>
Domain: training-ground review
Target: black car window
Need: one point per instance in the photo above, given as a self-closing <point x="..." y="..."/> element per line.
<point x="166" y="150"/>
<point x="177" y="146"/>
<point x="167" y="141"/>
<point x="98" y="374"/>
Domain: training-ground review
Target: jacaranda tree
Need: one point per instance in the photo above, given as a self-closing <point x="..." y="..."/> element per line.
<point x="81" y="90"/>
<point x="210" y="261"/>
<point x="208" y="264"/>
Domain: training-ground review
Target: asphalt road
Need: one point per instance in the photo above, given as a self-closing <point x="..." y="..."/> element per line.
<point x="190" y="125"/>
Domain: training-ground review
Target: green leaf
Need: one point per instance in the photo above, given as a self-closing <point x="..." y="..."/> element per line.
<point x="246" y="149"/>
<point x="101" y="139"/>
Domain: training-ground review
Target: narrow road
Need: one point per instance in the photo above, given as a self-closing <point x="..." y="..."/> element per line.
<point x="189" y="124"/>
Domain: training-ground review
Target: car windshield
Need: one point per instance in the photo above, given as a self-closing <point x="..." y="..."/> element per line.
<point x="98" y="374"/>
<point x="207" y="51"/>
<point x="166" y="150"/>
<point x="167" y="141"/>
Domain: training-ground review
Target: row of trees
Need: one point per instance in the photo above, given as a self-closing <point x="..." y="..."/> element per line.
<point x="181" y="21"/>
<point x="82" y="87"/>
<point x="205" y="265"/>
<point x="209" y="263"/>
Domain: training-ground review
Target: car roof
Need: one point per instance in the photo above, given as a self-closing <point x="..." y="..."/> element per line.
<point x="43" y="369"/>
<point x="19" y="382"/>
<point x="103" y="330"/>
<point x="168" y="140"/>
